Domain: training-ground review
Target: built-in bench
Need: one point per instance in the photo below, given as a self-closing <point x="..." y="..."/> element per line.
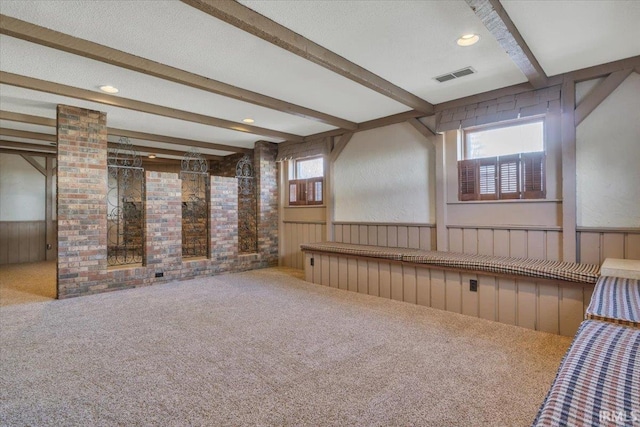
<point x="543" y="295"/>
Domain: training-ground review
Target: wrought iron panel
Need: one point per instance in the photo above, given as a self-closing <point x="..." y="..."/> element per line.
<point x="247" y="206"/>
<point x="195" y="205"/>
<point x="125" y="207"/>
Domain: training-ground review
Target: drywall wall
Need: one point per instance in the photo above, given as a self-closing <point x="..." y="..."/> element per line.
<point x="607" y="159"/>
<point x="22" y="190"/>
<point x="386" y="175"/>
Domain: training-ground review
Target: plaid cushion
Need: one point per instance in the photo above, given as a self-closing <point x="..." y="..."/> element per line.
<point x="358" y="250"/>
<point x="572" y="272"/>
<point x="616" y="300"/>
<point x="598" y="382"/>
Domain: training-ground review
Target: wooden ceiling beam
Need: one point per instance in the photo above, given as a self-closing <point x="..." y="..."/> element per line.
<point x="258" y="25"/>
<point x="422" y="128"/>
<point x="152" y="150"/>
<point x="43" y="121"/>
<point x="28" y="135"/>
<point x="502" y="28"/>
<point x="599" y="94"/>
<point x="4" y="143"/>
<point x="145" y="107"/>
<point x="36" y="34"/>
<point x="30" y="153"/>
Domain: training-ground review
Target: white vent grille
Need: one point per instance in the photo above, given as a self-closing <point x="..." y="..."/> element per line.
<point x="455" y="74"/>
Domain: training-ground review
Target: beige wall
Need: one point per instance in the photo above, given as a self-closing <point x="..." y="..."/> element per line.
<point x="22" y="189"/>
<point x="608" y="160"/>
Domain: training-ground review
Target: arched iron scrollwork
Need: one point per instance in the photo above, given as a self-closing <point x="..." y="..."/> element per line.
<point x="125" y="210"/>
<point x="195" y="207"/>
<point x="247" y="206"/>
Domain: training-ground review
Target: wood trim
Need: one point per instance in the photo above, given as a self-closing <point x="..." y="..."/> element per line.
<point x="631" y="230"/>
<point x="392" y="224"/>
<point x="28" y="135"/>
<point x="145" y="107"/>
<point x="600" y="93"/>
<point x="43" y="121"/>
<point x="27" y="146"/>
<point x="340" y="146"/>
<point x="31" y="153"/>
<point x="506" y="227"/>
<point x="242" y="17"/>
<point x="603" y="69"/>
<point x="568" y="140"/>
<point x="35" y="164"/>
<point x="33" y="33"/>
<point x="502" y="28"/>
<point x="422" y="128"/>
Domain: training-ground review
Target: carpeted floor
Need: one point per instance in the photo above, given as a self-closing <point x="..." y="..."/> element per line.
<point x="30" y="282"/>
<point x="264" y="348"/>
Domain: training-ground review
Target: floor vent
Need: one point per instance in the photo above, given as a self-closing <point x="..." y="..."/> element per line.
<point x="454" y="75"/>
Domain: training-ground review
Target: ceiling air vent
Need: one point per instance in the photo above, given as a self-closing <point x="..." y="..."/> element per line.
<point x="455" y="74"/>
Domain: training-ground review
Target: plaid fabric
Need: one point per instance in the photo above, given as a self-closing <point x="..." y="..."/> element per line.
<point x="358" y="250"/>
<point x="598" y="382"/>
<point x="572" y="272"/>
<point x="616" y="300"/>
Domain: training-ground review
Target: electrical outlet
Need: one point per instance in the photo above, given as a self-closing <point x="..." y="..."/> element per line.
<point x="473" y="285"/>
<point x="159" y="274"/>
<point x="311" y="262"/>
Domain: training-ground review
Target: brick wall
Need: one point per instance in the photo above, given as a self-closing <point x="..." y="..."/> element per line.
<point x="82" y="206"/>
<point x="227" y="166"/>
<point x="266" y="170"/>
<point x="508" y="107"/>
<point x="224" y="220"/>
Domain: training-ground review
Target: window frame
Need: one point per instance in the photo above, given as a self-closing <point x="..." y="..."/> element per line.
<point x="526" y="171"/>
<point x="304" y="188"/>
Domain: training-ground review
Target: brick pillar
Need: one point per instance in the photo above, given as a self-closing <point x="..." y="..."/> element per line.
<point x="224" y="223"/>
<point x="267" y="186"/>
<point x="164" y="224"/>
<point x="82" y="205"/>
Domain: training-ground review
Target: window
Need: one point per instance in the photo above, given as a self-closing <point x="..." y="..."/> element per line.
<point x="306" y="182"/>
<point x="506" y="162"/>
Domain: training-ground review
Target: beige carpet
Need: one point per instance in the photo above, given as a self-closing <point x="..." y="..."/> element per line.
<point x="30" y="282"/>
<point x="264" y="348"/>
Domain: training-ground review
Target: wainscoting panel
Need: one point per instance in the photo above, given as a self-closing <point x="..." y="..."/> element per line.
<point x="596" y="244"/>
<point x="516" y="242"/>
<point x="22" y="241"/>
<point x="416" y="236"/>
<point x="550" y="306"/>
<point x="295" y="233"/>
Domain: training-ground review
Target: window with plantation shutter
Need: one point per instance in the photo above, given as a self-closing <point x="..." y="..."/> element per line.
<point x="467" y="181"/>
<point x="533" y="175"/>
<point x="509" y="177"/>
<point x="503" y="161"/>
<point x="306" y="183"/>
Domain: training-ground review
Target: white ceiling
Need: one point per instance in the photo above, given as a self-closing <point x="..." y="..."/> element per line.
<point x="407" y="43"/>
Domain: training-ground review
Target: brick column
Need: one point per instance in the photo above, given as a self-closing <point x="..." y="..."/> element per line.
<point x="267" y="183"/>
<point x="164" y="224"/>
<point x="224" y="223"/>
<point x="82" y="205"/>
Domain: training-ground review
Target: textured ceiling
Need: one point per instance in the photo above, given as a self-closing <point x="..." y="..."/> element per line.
<point x="407" y="43"/>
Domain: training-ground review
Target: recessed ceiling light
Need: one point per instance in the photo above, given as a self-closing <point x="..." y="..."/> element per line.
<point x="468" y="39"/>
<point x="109" y="89"/>
<point x="152" y="156"/>
<point x="248" y="120"/>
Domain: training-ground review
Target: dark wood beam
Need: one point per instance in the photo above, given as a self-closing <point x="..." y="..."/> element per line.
<point x="35" y="164"/>
<point x="5" y="143"/>
<point x="599" y="94"/>
<point x="502" y="28"/>
<point x="33" y="33"/>
<point x="258" y="25"/>
<point x="152" y="150"/>
<point x="145" y="107"/>
<point x="43" y="121"/>
<point x="603" y="69"/>
<point x="28" y="135"/>
<point x="31" y="153"/>
<point x="340" y="146"/>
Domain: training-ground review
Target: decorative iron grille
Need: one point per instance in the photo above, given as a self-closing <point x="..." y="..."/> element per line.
<point x="195" y="206"/>
<point x="125" y="207"/>
<point x="247" y="206"/>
